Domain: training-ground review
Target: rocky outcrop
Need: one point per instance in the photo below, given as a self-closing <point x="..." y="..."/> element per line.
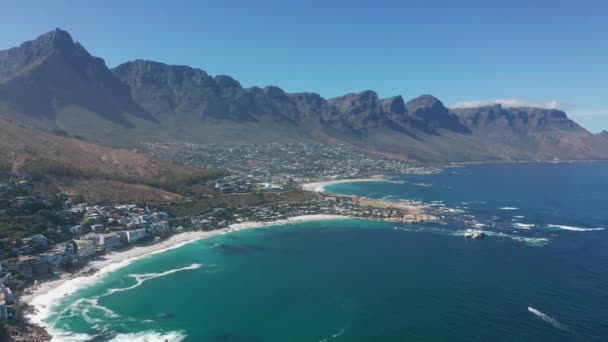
<point x="474" y="234"/>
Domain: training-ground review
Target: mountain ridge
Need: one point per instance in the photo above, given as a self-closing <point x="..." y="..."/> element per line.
<point x="54" y="83"/>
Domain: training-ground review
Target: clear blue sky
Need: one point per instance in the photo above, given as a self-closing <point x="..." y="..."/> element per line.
<point x="531" y="51"/>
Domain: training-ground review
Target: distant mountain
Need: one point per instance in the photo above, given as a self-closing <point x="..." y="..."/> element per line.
<point x="603" y="134"/>
<point x="54" y="83"/>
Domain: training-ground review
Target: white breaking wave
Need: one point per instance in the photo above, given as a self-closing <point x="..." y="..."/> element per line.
<point x="422" y="184"/>
<point x="84" y="307"/>
<point x="142" y="278"/>
<point x="529" y="241"/>
<point x="508" y="208"/>
<point x="524" y="225"/>
<point x="63" y="336"/>
<point x="547" y="319"/>
<point x="575" y="229"/>
<point x="45" y="303"/>
<point x="532" y="241"/>
<point x="150" y="336"/>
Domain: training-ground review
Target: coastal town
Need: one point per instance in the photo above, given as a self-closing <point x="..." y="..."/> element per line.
<point x="66" y="233"/>
<point x="277" y="167"/>
<point x="85" y="232"/>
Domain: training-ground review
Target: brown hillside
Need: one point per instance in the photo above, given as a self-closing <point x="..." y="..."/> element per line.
<point x="67" y="161"/>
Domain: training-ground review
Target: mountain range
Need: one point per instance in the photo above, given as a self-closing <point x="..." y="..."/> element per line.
<point x="53" y="83"/>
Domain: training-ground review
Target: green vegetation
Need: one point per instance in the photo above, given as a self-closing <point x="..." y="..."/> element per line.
<point x="204" y="204"/>
<point x="22" y="214"/>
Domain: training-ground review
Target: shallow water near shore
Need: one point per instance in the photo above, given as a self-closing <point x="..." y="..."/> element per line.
<point x="353" y="280"/>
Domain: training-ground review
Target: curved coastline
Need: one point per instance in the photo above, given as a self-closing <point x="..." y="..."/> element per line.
<point x="46" y="295"/>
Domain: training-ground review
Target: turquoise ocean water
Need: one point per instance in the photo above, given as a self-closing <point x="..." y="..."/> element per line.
<point x="541" y="275"/>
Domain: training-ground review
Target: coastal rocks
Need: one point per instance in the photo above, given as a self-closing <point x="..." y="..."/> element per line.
<point x="23" y="331"/>
<point x="474" y="234"/>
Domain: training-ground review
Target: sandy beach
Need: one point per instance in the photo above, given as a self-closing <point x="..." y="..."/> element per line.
<point x="43" y="296"/>
<point x="320" y="186"/>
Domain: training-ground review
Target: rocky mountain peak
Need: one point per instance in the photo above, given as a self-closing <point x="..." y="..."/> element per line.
<point x="425" y="105"/>
<point x="363" y="100"/>
<point x="224" y="81"/>
<point x="275" y="92"/>
<point x="428" y="110"/>
<point x="394" y="105"/>
<point x="58" y="38"/>
<point x="51" y="72"/>
<point x="14" y="61"/>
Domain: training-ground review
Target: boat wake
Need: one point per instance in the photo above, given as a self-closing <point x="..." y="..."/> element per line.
<point x="548" y="319"/>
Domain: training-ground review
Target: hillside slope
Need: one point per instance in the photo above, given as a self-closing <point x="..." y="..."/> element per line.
<point x="71" y="164"/>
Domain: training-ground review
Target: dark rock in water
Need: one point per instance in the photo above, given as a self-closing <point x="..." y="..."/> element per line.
<point x="474" y="234"/>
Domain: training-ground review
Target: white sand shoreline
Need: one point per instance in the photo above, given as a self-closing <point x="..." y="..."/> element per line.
<point x="320" y="186"/>
<point x="46" y="294"/>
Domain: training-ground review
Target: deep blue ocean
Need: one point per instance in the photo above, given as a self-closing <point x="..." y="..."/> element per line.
<point x="540" y="275"/>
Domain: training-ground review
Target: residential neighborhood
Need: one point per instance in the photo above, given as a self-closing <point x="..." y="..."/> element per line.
<point x="275" y="167"/>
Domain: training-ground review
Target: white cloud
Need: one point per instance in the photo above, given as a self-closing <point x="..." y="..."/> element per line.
<point x="553" y="104"/>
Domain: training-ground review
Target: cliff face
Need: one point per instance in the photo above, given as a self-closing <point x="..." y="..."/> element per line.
<point x="53" y="82"/>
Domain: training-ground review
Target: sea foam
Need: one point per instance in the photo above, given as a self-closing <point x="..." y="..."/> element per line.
<point x="83" y="307"/>
<point x="142" y="278"/>
<point x="150" y="336"/>
<point x="45" y="303"/>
